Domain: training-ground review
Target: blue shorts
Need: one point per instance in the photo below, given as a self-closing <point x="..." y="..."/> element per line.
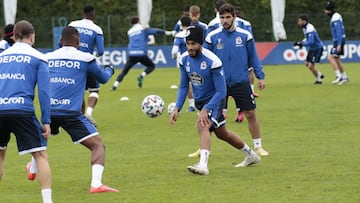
<point x="334" y="51"/>
<point x="215" y="115"/>
<point x="77" y="126"/>
<point x="243" y="96"/>
<point x="92" y="84"/>
<point x="27" y="130"/>
<point x="314" y="56"/>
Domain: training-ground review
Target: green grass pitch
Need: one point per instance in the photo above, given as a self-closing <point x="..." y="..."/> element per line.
<point x="311" y="131"/>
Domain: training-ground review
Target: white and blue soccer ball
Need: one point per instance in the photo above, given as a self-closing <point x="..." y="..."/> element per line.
<point x="153" y="106"/>
<point x="171" y="107"/>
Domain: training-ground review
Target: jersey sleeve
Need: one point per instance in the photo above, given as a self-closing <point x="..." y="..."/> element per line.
<point x="100" y="44"/>
<point x="43" y="80"/>
<point x="101" y="75"/>
<point x="254" y="60"/>
<point x="183" y="87"/>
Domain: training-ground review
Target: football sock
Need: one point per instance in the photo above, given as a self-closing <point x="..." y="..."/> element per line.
<point x="191" y="102"/>
<point x="143" y="74"/>
<point x="337" y="73"/>
<point x="46" y="195"/>
<point x="343" y="75"/>
<point x="204" y="157"/>
<point x="246" y="149"/>
<point x="33" y="168"/>
<point x="116" y="84"/>
<point x="319" y="76"/>
<point x="257" y="142"/>
<point x="97" y="171"/>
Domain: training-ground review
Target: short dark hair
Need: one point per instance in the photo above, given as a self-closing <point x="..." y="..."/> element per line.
<point x="23" y="29"/>
<point x="304" y="16"/>
<point x="134" y="20"/>
<point x="219" y="3"/>
<point x="88" y="9"/>
<point x="69" y="34"/>
<point x="227" y="8"/>
<point x="185" y="21"/>
<point x="330" y="6"/>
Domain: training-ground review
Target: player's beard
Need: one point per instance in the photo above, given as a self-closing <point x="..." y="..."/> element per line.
<point x="193" y="52"/>
<point x="228" y="26"/>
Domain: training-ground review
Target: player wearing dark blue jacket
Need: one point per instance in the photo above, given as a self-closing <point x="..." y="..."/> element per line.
<point x="91" y="37"/>
<point x="69" y="69"/>
<point x="203" y="69"/>
<point x="314" y="44"/>
<point x="22" y="68"/>
<point x="338" y="37"/>
<point x="137" y="50"/>
<point x="236" y="49"/>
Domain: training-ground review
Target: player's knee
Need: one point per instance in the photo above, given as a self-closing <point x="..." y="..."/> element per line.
<point x="94" y="94"/>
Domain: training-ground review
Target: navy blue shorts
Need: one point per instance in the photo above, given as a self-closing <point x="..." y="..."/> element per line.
<point x="215" y="115"/>
<point x="92" y="84"/>
<point x="77" y="126"/>
<point x="242" y="95"/>
<point x="314" y="56"/>
<point x="27" y="130"/>
<point x="334" y="51"/>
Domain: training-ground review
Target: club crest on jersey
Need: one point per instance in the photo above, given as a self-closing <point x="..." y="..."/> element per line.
<point x="187" y="67"/>
<point x="203" y="65"/>
<point x="219" y="45"/>
<point x="238" y="41"/>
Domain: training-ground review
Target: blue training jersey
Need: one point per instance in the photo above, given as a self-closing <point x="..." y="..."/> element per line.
<point x="179" y="44"/>
<point x="206" y="75"/>
<point x="4" y="45"/>
<point x="312" y="39"/>
<point x="69" y="68"/>
<point x="138" y="39"/>
<point x="22" y="68"/>
<point x="337" y="29"/>
<point x="237" y="51"/>
<point x="91" y="36"/>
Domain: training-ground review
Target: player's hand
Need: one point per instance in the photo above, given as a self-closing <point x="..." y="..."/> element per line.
<point x="46" y="130"/>
<point x="298" y="44"/>
<point x="203" y="119"/>
<point x="261" y="84"/>
<point x="173" y="117"/>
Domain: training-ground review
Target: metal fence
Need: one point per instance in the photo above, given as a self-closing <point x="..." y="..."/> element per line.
<point x="115" y="27"/>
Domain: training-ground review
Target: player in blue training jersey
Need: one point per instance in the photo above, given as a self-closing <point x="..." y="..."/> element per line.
<point x="338" y="37"/>
<point x="91" y="37"/>
<point x="137" y="50"/>
<point x="194" y="14"/>
<point x="69" y="69"/>
<point x="22" y="68"/>
<point x="179" y="47"/>
<point x="203" y="69"/>
<point x="314" y="44"/>
<point x="236" y="48"/>
<point x="177" y="27"/>
<point x="8" y="37"/>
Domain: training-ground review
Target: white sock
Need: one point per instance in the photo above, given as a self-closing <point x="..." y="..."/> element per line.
<point x="97" y="171"/>
<point x="204" y="157"/>
<point x="89" y="110"/>
<point x="33" y="168"/>
<point x="257" y="142"/>
<point x="319" y="76"/>
<point x="246" y="149"/>
<point x="116" y="84"/>
<point x="191" y="102"/>
<point x="46" y="195"/>
<point x="143" y="74"/>
<point x="343" y="75"/>
<point x="337" y="73"/>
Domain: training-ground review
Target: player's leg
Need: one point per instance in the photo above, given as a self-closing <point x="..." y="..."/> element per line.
<point x="234" y="140"/>
<point x="191" y="100"/>
<point x="83" y="132"/>
<point x="4" y="140"/>
<point x="94" y="88"/>
<point x="312" y="58"/>
<point x="129" y="64"/>
<point x="43" y="174"/>
<point x="150" y="67"/>
<point x="333" y="62"/>
<point x="2" y="159"/>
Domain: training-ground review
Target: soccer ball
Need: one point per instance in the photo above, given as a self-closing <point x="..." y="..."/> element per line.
<point x="153" y="106"/>
<point x="171" y="107"/>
